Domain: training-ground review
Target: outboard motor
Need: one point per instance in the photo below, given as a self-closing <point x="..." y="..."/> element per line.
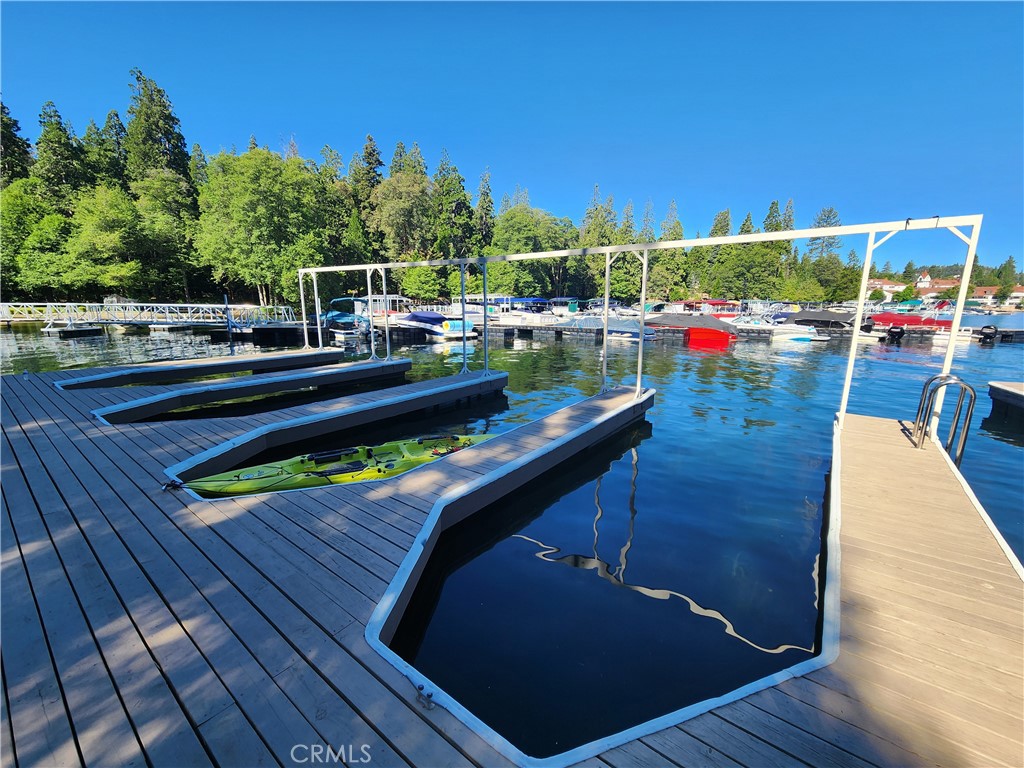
<point x="868" y="325"/>
<point x="988" y="334"/>
<point x="895" y="334"/>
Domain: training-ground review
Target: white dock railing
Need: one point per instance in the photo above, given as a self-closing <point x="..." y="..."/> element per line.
<point x="145" y="314"/>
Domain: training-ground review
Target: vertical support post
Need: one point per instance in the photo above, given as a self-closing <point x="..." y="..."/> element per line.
<point x="465" y="349"/>
<point x="607" y="301"/>
<point x="643" y="315"/>
<point x="369" y="310"/>
<point x="954" y="329"/>
<point x="316" y="307"/>
<point x="387" y="318"/>
<point x="858" y="318"/>
<point x="487" y="361"/>
<point x="302" y="304"/>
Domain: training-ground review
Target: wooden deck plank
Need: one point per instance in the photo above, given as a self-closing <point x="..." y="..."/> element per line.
<point x="104" y="734"/>
<point x="264" y="703"/>
<point x="742" y="746"/>
<point x="423" y="750"/>
<point x="34" y="704"/>
<point x="280" y="586"/>
<point x="149" y="701"/>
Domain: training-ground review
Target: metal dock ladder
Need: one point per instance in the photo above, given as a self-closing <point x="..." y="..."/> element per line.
<point x="926" y="408"/>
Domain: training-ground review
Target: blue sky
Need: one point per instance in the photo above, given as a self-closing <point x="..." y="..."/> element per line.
<point x="881" y="110"/>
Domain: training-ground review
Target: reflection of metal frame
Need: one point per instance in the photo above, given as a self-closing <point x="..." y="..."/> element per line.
<point x="617" y="575"/>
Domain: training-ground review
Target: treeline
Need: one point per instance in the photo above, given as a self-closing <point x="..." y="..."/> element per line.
<point x="128" y="209"/>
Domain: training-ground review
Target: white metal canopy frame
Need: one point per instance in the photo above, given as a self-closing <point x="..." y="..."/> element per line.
<point x="878" y="233"/>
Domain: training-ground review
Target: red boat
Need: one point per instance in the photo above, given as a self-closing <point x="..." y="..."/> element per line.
<point x="887" y="319"/>
<point x="702" y="331"/>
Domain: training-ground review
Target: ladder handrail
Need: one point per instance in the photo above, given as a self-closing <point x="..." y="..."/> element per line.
<point x="926" y="406"/>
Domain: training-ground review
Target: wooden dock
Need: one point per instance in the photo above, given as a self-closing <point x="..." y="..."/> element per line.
<point x="144" y="627"/>
<point x="1007" y="398"/>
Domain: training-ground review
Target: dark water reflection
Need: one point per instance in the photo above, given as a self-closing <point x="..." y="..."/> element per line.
<point x="595" y="600"/>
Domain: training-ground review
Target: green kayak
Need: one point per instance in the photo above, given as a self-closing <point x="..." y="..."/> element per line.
<point x="358" y="464"/>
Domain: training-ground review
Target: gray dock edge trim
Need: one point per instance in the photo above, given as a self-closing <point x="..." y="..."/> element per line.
<point x="830" y="631"/>
<point x="295" y="376"/>
<point x="174" y="471"/>
<point x="1015" y="562"/>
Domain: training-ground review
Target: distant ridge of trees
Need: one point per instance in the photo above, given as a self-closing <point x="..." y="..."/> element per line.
<point x="129" y="209"/>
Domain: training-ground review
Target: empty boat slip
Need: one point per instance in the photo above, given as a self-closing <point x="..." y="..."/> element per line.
<point x="181" y="396"/>
<point x="178" y="370"/>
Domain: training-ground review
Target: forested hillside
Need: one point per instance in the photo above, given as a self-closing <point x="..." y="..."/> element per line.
<point x="127" y="208"/>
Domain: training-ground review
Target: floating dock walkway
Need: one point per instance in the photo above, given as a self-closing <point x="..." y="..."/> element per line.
<point x="146" y="627"/>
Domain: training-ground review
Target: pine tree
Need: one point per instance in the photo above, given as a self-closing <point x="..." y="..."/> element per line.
<point x="332" y="164"/>
<point x="452" y="213"/>
<point x="414" y="162"/>
<point x="788" y="221"/>
<point x="747" y="227"/>
<point x="599" y="223"/>
<point x="506" y="204"/>
<point x="775" y="222"/>
<point x="153" y="139"/>
<point x="252" y="143"/>
<point x="197" y="167"/>
<point x="15" y="151"/>
<point x="825" y="245"/>
<point x="104" y="151"/>
<point x="483" y="214"/>
<point x="626" y="233"/>
<point x="365" y="176"/>
<point x="59" y="158"/>
<point x="397" y="160"/>
<point x="647" y="233"/>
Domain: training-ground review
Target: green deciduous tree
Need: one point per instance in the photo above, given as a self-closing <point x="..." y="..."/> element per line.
<point x="23" y="204"/>
<point x="522" y="229"/>
<point x="423" y="283"/>
<point x="44" y="267"/>
<point x="261" y="220"/>
<point x="104" y="244"/>
<point x="400" y="214"/>
<point x="167" y="226"/>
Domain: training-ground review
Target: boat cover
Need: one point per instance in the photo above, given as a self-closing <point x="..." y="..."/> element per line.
<point x="679" y="320"/>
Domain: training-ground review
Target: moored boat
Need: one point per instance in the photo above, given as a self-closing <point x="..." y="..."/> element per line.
<point x="437" y="326"/>
<point x="358" y="464"/>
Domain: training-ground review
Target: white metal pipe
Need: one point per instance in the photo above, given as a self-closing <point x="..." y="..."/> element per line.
<point x="643" y="305"/>
<point x="316" y="306"/>
<point x="302" y="302"/>
<point x="858" y="318"/>
<point x="607" y="299"/>
<point x="958" y="312"/>
<point x="387" y="318"/>
<point x="754" y="237"/>
<point x="487" y="361"/>
<point x="465" y="342"/>
<point x="369" y="311"/>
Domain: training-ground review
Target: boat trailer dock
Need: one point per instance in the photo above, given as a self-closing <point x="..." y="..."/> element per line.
<point x="147" y="627"/>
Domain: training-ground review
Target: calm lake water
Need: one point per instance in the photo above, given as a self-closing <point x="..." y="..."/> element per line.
<point x="700" y="532"/>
